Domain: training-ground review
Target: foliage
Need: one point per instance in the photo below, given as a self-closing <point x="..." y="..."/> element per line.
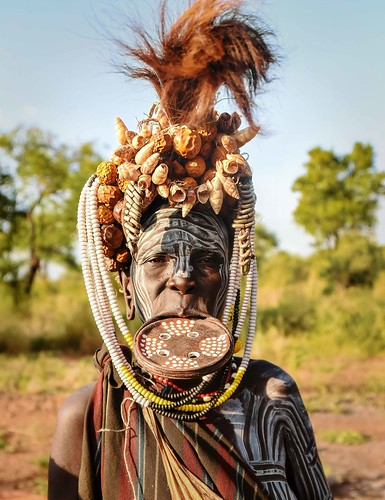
<point x="282" y="268"/>
<point x="38" y="217"/>
<point x="295" y="313"/>
<point x="265" y="242"/>
<point x="344" y="436"/>
<point x="356" y="261"/>
<point x="338" y="193"/>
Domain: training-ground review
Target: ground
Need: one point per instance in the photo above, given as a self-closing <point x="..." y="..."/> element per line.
<point x="355" y="471"/>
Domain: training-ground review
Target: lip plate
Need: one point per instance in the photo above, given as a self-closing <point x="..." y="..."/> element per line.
<point x="183" y="347"/>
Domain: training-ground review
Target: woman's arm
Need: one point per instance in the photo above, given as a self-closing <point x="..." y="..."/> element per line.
<point x="66" y="450"/>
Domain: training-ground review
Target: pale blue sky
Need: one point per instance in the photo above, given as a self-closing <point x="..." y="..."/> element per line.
<point x="54" y="73"/>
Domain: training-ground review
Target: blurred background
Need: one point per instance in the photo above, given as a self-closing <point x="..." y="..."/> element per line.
<point x="320" y="180"/>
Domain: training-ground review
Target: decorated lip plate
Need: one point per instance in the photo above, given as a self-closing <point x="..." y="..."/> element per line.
<point x="181" y="348"/>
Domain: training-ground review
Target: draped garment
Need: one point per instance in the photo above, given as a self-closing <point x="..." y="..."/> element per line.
<point x="258" y="444"/>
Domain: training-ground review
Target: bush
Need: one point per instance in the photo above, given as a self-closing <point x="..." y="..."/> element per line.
<point x="295" y="313"/>
<point x="356" y="261"/>
<point x="283" y="269"/>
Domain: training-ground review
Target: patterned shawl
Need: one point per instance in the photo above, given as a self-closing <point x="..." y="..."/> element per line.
<point x="131" y="453"/>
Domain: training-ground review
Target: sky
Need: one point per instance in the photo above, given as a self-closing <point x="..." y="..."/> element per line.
<point x="328" y="91"/>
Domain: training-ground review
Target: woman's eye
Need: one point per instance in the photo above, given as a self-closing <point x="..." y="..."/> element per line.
<point x="157" y="259"/>
<point x="211" y="262"/>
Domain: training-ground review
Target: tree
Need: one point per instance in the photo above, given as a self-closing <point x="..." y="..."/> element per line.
<point x="265" y="242"/>
<point x="40" y="220"/>
<point x="338" y="194"/>
<point x="356" y="261"/>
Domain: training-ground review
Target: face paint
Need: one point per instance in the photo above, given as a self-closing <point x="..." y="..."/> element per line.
<point x="181" y="265"/>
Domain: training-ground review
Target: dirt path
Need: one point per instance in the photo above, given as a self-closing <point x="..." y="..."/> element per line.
<point x="355" y="471"/>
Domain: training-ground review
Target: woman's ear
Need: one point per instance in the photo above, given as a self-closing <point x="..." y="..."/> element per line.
<point x="125" y="281"/>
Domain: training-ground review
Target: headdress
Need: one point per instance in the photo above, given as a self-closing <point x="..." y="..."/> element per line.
<point x="186" y="154"/>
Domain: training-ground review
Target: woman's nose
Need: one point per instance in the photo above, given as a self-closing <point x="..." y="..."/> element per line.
<point x="181" y="284"/>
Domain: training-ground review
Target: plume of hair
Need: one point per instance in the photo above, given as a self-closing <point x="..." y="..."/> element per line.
<point x="211" y="45"/>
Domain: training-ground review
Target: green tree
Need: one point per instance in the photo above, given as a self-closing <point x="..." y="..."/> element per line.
<point x="338" y="193"/>
<point x="356" y="261"/>
<point x="44" y="175"/>
<point x="265" y="242"/>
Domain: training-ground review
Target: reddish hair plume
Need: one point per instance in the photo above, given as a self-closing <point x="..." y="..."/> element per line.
<point x="211" y="45"/>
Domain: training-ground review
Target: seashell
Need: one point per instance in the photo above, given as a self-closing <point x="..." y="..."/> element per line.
<point x="130" y="134"/>
<point x="209" y="174"/>
<point x="245" y="169"/>
<point x="223" y="122"/>
<point x="177" y="193"/>
<point x="219" y="166"/>
<point x="216" y="195"/>
<point x="129" y="172"/>
<point x="206" y="149"/>
<point x="112" y="236"/>
<point x="107" y="172"/>
<point x="109" y="195"/>
<point x="227" y="123"/>
<point x="163" y="190"/>
<point x="145" y="130"/>
<point x="245" y="135"/>
<point x="122" y="255"/>
<point x="127" y="152"/>
<point x="177" y="168"/>
<point x="138" y="141"/>
<point x="195" y="167"/>
<point x="161" y="117"/>
<point x="123" y="185"/>
<point x="105" y="215"/>
<point x="229" y="143"/>
<point x="203" y="193"/>
<point x="108" y="252"/>
<point x="208" y="132"/>
<point x="160" y="175"/>
<point x="187" y="142"/>
<point x="173" y="129"/>
<point x="120" y="130"/>
<point x="230" y="166"/>
<point x="112" y="265"/>
<point x="187" y="182"/>
<point x="162" y="142"/>
<point x="117" y="210"/>
<point x="144" y="182"/>
<point x="144" y="153"/>
<point x="149" y="196"/>
<point x="239" y="160"/>
<point x="149" y="165"/>
<point x="219" y="153"/>
<point x="116" y="159"/>
<point x="189" y="202"/>
<point x="235" y="122"/>
<point x="229" y="186"/>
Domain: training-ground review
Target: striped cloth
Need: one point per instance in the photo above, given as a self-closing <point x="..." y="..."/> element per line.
<point x="259" y="444"/>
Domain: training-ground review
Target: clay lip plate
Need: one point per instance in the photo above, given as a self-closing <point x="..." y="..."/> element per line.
<point x="183" y="347"/>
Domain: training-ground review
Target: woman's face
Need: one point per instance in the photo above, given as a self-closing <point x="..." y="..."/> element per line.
<point x="181" y="266"/>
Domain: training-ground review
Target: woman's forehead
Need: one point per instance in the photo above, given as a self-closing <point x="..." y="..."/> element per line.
<point x="168" y="227"/>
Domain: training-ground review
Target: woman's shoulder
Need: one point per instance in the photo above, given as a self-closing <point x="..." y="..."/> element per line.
<point x="268" y="379"/>
<point x="74" y="406"/>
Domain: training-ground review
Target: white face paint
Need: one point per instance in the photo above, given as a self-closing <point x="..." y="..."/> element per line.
<point x="181" y="265"/>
